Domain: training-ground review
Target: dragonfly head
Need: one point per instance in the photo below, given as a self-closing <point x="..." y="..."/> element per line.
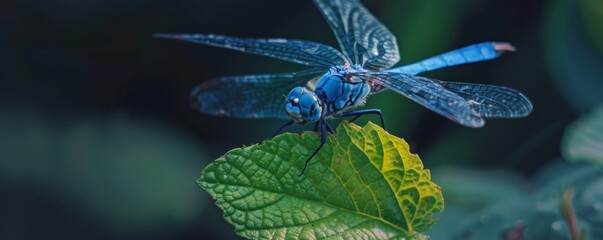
<point x="303" y="105"/>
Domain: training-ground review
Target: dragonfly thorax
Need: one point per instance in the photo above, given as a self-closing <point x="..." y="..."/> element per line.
<point x="336" y="91"/>
<point x="341" y="89"/>
<point x="303" y="105"/>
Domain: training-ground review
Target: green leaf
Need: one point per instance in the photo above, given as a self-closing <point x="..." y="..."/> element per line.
<point x="591" y="13"/>
<point x="363" y="184"/>
<point x="538" y="211"/>
<point x="571" y="56"/>
<point x="120" y="173"/>
<point x="583" y="140"/>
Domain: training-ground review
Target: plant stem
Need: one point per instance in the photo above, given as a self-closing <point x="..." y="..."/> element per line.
<point x="568" y="213"/>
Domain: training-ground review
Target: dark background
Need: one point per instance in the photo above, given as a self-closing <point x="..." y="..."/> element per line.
<point x="97" y="139"/>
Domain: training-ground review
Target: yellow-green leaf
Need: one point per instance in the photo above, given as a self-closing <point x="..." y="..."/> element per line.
<point x="363" y="184"/>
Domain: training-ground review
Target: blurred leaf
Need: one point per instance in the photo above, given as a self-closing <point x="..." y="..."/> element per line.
<point x="449" y="220"/>
<point x="592" y="16"/>
<point x="457" y="146"/>
<point x="133" y="173"/>
<point x="539" y="213"/>
<point x="589" y="207"/>
<point x="130" y="176"/>
<point x="364" y="183"/>
<point x="424" y="27"/>
<point x="28" y="144"/>
<point x="470" y="190"/>
<point x="583" y="140"/>
<point x="473" y="189"/>
<point x="572" y="58"/>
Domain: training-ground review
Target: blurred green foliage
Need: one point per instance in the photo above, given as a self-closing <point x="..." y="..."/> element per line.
<point x="533" y="207"/>
<point x="128" y="174"/>
<point x="583" y="140"/>
<point x="591" y="13"/>
<point x="573" y="50"/>
<point x="98" y="140"/>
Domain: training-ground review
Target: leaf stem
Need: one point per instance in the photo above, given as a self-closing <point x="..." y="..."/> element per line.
<point x="568" y="213"/>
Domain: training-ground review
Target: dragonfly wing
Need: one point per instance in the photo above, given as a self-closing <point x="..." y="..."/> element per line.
<point x="297" y="51"/>
<point x="465" y="103"/>
<point x="363" y="39"/>
<point x="251" y="96"/>
<point x="492" y="101"/>
<point x="431" y="95"/>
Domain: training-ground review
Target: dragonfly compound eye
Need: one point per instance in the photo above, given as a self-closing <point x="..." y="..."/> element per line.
<point x="294" y="112"/>
<point x="295" y="93"/>
<point x="309" y="107"/>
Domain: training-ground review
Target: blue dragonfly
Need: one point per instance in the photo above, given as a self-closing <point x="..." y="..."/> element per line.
<point x="338" y="82"/>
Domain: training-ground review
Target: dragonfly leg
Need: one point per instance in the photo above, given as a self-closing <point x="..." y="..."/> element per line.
<point x="288" y="123"/>
<point x="329" y="129"/>
<point x="360" y="113"/>
<point x="323" y="138"/>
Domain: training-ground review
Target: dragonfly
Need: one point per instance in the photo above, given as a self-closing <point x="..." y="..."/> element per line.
<point x="336" y="83"/>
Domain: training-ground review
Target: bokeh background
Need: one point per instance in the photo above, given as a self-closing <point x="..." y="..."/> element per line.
<point x="97" y="140"/>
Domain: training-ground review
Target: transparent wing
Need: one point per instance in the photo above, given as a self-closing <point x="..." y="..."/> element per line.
<point x="492" y="101"/>
<point x="251" y="96"/>
<point x="297" y="51"/>
<point x="465" y="103"/>
<point x="363" y="39"/>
